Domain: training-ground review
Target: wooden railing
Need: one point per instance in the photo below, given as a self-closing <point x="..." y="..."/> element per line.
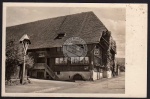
<point x="51" y="72"/>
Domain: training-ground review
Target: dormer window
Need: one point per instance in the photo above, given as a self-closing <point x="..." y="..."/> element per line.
<point x="60" y="36"/>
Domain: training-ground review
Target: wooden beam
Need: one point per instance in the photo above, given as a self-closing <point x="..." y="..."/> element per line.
<point x="105" y="40"/>
<point x="108" y="44"/>
<point x="101" y="45"/>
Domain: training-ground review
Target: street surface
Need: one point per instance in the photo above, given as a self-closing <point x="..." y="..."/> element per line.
<point x="105" y="85"/>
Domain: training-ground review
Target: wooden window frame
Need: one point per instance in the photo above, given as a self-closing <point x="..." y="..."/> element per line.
<point x="64" y="59"/>
<point x="79" y="63"/>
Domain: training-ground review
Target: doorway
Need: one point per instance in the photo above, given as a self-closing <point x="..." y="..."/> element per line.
<point x="40" y="75"/>
<point x="48" y="61"/>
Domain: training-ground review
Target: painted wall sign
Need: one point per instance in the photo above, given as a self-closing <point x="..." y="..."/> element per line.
<point x="96" y="52"/>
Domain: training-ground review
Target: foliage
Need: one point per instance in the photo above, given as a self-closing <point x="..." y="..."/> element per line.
<point x="122" y="68"/>
<point x="11" y="60"/>
<point x="121" y="64"/>
<point x="29" y="61"/>
<point x="29" y="58"/>
<point x="14" y="57"/>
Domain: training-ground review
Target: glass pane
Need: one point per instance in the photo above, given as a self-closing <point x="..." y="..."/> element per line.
<point x="65" y="60"/>
<point x="77" y="59"/>
<point x="61" y="60"/>
<point x="56" y="60"/>
<point x="82" y="60"/>
<point x="72" y="60"/>
<point x="86" y="60"/>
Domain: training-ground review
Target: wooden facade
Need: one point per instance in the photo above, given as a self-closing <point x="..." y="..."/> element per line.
<point x="93" y="66"/>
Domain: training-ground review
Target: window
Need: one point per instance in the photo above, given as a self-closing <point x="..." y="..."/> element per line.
<point x="82" y="60"/>
<point x="60" y="36"/>
<point x="59" y="49"/>
<point x="86" y="60"/>
<point x="41" y="60"/>
<point x="58" y="72"/>
<point x="56" y="60"/>
<point x="76" y="60"/>
<point x="79" y="60"/>
<point x="65" y="60"/>
<point x="72" y="60"/>
<point x="62" y="60"/>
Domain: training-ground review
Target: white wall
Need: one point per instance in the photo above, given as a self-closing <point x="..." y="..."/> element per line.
<point x="67" y="75"/>
<point x="107" y="74"/>
<point x="101" y="75"/>
<point x="97" y="75"/>
<point x="94" y="75"/>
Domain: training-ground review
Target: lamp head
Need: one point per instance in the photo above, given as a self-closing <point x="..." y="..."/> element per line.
<point x="25" y="38"/>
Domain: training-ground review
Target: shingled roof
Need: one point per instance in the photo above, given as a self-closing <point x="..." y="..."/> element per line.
<point x="42" y="33"/>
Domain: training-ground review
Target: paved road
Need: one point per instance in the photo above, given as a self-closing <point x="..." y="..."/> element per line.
<point x="113" y="85"/>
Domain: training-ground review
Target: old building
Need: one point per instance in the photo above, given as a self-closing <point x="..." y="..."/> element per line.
<point x="48" y="36"/>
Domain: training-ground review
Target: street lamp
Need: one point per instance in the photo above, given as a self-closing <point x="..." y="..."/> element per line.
<point x="25" y="42"/>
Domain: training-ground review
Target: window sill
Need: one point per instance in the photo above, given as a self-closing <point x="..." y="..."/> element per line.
<point x="79" y="64"/>
<point x="60" y="64"/>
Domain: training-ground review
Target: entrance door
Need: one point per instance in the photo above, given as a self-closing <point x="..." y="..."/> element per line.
<point x="40" y="75"/>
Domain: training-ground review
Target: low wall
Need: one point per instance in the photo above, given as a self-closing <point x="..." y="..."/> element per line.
<point x="118" y="71"/>
<point x="68" y="75"/>
<point x="97" y="75"/>
<point x="107" y="74"/>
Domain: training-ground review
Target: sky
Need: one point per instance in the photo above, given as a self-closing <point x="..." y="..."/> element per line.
<point x="113" y="18"/>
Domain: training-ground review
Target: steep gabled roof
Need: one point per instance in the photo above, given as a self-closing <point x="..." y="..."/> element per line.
<point x="42" y="33"/>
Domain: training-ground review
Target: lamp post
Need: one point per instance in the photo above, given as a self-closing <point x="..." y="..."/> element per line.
<point x="25" y="42"/>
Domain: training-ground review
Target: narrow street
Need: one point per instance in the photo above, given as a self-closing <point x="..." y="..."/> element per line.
<point x="112" y="85"/>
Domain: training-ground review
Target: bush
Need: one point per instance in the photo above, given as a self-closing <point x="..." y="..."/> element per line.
<point x="12" y="82"/>
<point x="122" y="68"/>
<point x="15" y="57"/>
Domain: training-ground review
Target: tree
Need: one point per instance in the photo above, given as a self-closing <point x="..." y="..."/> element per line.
<point x="14" y="58"/>
<point x="11" y="60"/>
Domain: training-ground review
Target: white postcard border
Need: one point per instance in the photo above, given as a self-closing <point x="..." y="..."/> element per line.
<point x="136" y="49"/>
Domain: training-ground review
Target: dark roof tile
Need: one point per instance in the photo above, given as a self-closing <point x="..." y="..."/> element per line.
<point x="42" y="33"/>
